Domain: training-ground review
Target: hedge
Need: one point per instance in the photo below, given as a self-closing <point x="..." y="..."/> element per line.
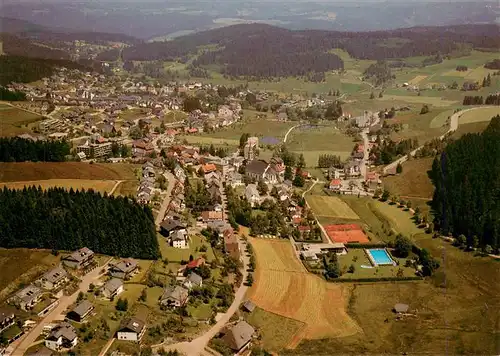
<point x="372" y="245"/>
<point x="382" y="279"/>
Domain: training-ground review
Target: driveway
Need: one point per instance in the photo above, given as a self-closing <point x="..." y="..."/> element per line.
<point x="20" y="346"/>
<point x="164" y="205"/>
<point x="197" y="346"/>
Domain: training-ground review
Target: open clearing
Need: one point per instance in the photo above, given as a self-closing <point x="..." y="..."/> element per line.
<point x="328" y="206"/>
<point x="14" y="121"/>
<point x="430" y="100"/>
<point x="277" y="331"/>
<point x="97" y="185"/>
<point x="478" y="115"/>
<point x="21" y="266"/>
<point x="283" y="286"/>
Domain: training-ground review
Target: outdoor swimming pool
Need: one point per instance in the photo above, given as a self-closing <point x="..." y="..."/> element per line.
<point x="379" y="257"/>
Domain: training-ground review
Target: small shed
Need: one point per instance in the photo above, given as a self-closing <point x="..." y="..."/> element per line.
<point x="249" y="306"/>
<point x="401" y="308"/>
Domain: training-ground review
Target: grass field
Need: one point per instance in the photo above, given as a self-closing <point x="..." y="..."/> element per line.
<point x="478" y="115"/>
<point x="21" y="266"/>
<point x="174" y="254"/>
<point x="327" y="206"/>
<point x="399" y="219"/>
<point x="414" y="99"/>
<point x="413" y="183"/>
<point x="15" y="121"/>
<point x="97" y="185"/>
<point x="277" y="331"/>
<point x="419" y="126"/>
<point x="283" y="286"/>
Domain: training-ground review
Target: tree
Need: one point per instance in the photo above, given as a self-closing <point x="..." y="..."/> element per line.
<point x="288" y="175"/>
<point x="461" y="240"/>
<point x="381" y="94"/>
<point x="488" y="249"/>
<point x="191" y="103"/>
<point x="429" y="264"/>
<point x="121" y="304"/>
<point x="399" y="168"/>
<point x="402" y="245"/>
<point x="385" y="195"/>
<point x="332" y="268"/>
<point x="301" y="163"/>
<point x="298" y="181"/>
<point x="424" y="110"/>
<point x="351" y="269"/>
<point x="249" y="279"/>
<point x="80" y="297"/>
<point x="372" y="96"/>
<point x="262" y="187"/>
<point x="144" y="295"/>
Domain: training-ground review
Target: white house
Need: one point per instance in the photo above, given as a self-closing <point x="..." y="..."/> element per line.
<point x="54" y="278"/>
<point x="63" y="336"/>
<point x="133" y="330"/>
<point x="112" y="288"/>
<point x="178" y="239"/>
<point x="252" y="194"/>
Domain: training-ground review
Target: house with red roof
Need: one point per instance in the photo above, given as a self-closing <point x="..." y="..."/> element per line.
<point x="335" y="184"/>
<point x="208" y="168"/>
<point x="200" y="261"/>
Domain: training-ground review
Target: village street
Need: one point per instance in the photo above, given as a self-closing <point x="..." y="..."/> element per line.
<point x="164" y="205"/>
<point x="197" y="346"/>
<point x="20" y="346"/>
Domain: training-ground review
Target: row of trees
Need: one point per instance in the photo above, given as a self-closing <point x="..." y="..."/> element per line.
<point x="389" y="150"/>
<point x="329" y="160"/>
<point x="11" y="95"/>
<point x="68" y="220"/>
<point x="493" y="99"/>
<point x="17" y="149"/>
<point x="466" y="176"/>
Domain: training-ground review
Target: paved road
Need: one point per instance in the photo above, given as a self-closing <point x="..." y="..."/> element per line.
<point x="163" y="208"/>
<point x="197" y="346"/>
<point x="453" y="127"/>
<point x="21" y="345"/>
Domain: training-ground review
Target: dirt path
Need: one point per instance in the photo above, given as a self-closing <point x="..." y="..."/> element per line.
<point x="115" y="186"/>
<point x="20" y="346"/>
<point x="106" y="347"/>
<point x="290" y="130"/>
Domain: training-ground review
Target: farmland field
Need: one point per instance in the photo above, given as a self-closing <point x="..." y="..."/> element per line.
<point x="101" y="186"/>
<point x="283" y="286"/>
<point x="417" y="126"/>
<point x="14" y="121"/>
<point x="328" y="206"/>
<point x="430" y="100"/>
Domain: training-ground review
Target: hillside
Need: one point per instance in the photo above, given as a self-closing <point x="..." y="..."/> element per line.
<point x="17" y="46"/>
<point x="278" y="52"/>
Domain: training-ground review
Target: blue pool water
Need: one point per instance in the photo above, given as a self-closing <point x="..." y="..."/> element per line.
<point x="380" y="257"/>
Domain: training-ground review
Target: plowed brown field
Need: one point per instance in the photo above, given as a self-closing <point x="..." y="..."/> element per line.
<point x="283" y="286"/>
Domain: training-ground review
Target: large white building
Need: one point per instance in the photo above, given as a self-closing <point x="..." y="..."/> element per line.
<point x="133" y="330"/>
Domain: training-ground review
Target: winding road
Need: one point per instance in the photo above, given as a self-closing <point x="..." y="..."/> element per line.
<point x="453" y="127"/>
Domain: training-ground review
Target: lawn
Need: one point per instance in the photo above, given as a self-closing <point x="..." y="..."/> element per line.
<point x="418" y="126"/>
<point x="174" y="254"/>
<point x="21" y="266"/>
<point x="415" y="99"/>
<point x="328" y="206"/>
<point x="399" y="219"/>
<point x="201" y="311"/>
<point x="277" y="331"/>
<point x="358" y="258"/>
<point x="101" y="186"/>
<point x="15" y="121"/>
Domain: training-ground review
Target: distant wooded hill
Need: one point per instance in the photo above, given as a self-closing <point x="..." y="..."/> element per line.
<point x="261" y="51"/>
<point x="467" y="180"/>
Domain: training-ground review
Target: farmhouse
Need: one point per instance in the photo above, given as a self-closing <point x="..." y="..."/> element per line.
<point x="79" y="259"/>
<point x="53" y="279"/>
<point x="63" y="336"/>
<point x="335" y="185"/>
<point x="133" y="330"/>
<point x="401" y="308"/>
<point x="112" y="288"/>
<point x="81" y="311"/>
<point x="239" y="336"/>
<point x="123" y="269"/>
<point x="170" y="225"/>
<point x="27" y="297"/>
<point x="200" y="261"/>
<point x="193" y="280"/>
<point x="212" y="215"/>
<point x="174" y="297"/>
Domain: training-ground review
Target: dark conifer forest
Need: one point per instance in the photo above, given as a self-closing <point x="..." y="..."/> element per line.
<point x="68" y="220"/>
<point x="467" y="180"/>
<point x="20" y="150"/>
